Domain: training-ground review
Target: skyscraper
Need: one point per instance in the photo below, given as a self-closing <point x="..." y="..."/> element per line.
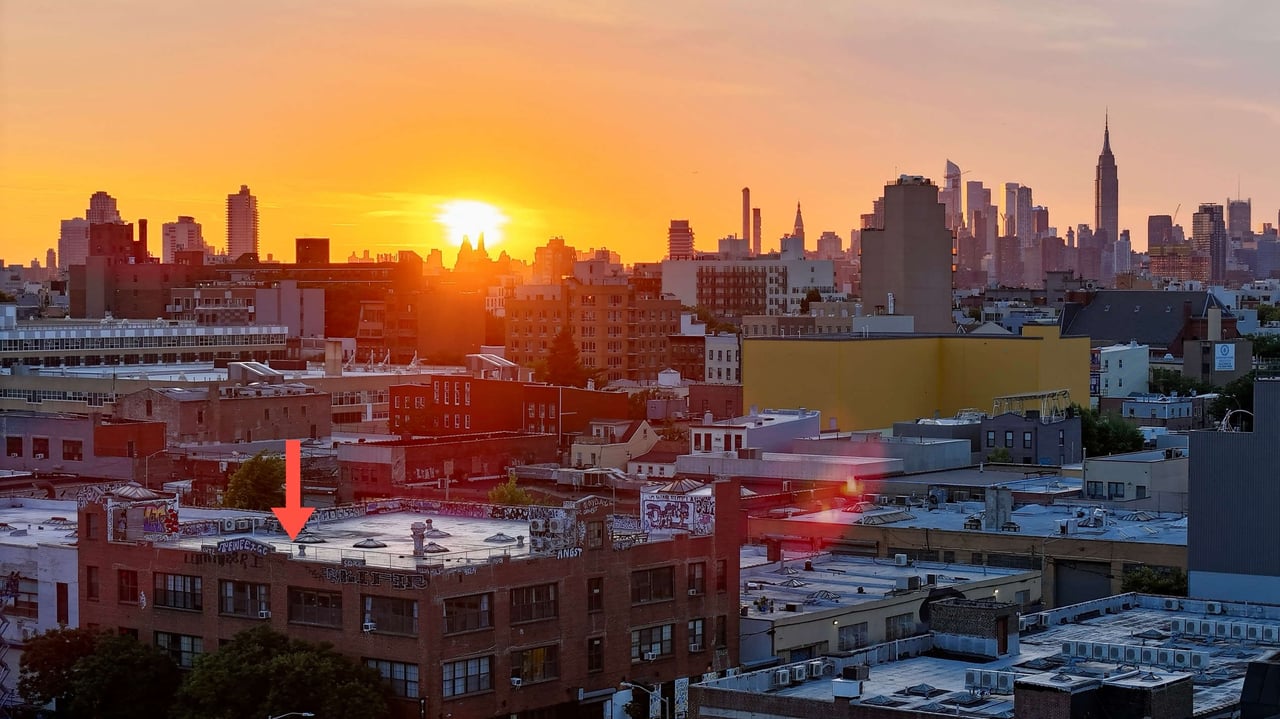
<point x="1159" y="231"/>
<point x="910" y="259"/>
<point x="1209" y="239"/>
<point x="1024" y="220"/>
<point x="799" y="228"/>
<point x="950" y="197"/>
<point x="242" y="223"/>
<point x="1106" y="191"/>
<point x="1240" y="220"/>
<point x="73" y="242"/>
<point x="680" y="240"/>
<point x="185" y="234"/>
<point x="102" y="209"/>
<point x="1010" y="209"/>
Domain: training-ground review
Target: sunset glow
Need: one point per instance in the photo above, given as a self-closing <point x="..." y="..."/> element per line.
<point x="471" y="218"/>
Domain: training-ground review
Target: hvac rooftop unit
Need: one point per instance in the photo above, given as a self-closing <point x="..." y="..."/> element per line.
<point x="1222" y="629"/>
<point x="1181" y="659"/>
<point x="1172" y="605"/>
<point x="1132" y="654"/>
<point x="781" y="678"/>
<point x="537" y="525"/>
<point x="1199" y="660"/>
<point x="1270" y="635"/>
<point x="1084" y="650"/>
<point x="1177" y="626"/>
<point x="244" y="525"/>
<point x="1115" y="653"/>
<point x="815" y="669"/>
<point x="1206" y="627"/>
<point x="1213" y="607"/>
<point x="1004" y="682"/>
<point x="900" y="560"/>
<point x="972" y="679"/>
<point x="799" y="673"/>
<point x="1253" y="632"/>
<point x="1069" y="648"/>
<point x="1238" y="630"/>
<point x="228" y="525"/>
<point x="1149" y="655"/>
<point x="555" y="526"/>
<point x="1100" y="651"/>
<point x="1164" y="657"/>
<point x="988" y="679"/>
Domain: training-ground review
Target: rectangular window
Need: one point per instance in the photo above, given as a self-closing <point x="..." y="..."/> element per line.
<point x="63" y="598"/>
<point x="697" y="635"/>
<point x="653" y="641"/>
<point x="391" y="615"/>
<point x="127" y="586"/>
<point x="595" y="594"/>
<point x="466" y="614"/>
<point x="1026" y="440"/>
<point x="40" y="447"/>
<point x="539" y="664"/>
<point x="852" y="636"/>
<point x="991" y="438"/>
<point x="652" y="585"/>
<point x="308" y="606"/>
<point x="697" y="575"/>
<point x="595" y="535"/>
<point x="899" y="626"/>
<point x="533" y="603"/>
<point x="1093" y="490"/>
<point x="595" y="654"/>
<point x="466" y="676"/>
<point x="243" y="599"/>
<point x="92" y="584"/>
<point x="1008" y="439"/>
<point x="73" y="450"/>
<point x="1115" y="490"/>
<point x="13" y="446"/>
<point x="403" y="678"/>
<point x="26" y="603"/>
<point x="722" y="575"/>
<point x="1062" y="438"/>
<point x="179" y="591"/>
<point x="182" y="648"/>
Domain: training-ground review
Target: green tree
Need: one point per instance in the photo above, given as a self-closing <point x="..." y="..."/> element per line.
<point x="509" y="493"/>
<point x="813" y="295"/>
<point x="563" y="365"/>
<point x="258" y="484"/>
<point x="999" y="455"/>
<point x="1268" y="313"/>
<point x="47" y="663"/>
<point x="1103" y="434"/>
<point x="1148" y="580"/>
<point x="262" y="672"/>
<point x="1238" y="394"/>
<point x="714" y="324"/>
<point x="1265" y="347"/>
<point x="1168" y="381"/>
<point x="638" y="402"/>
<point x="671" y="432"/>
<point x="103" y="676"/>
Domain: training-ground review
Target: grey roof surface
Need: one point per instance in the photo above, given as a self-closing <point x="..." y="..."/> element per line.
<point x="1151" y="317"/>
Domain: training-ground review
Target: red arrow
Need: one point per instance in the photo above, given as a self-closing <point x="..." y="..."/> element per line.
<point x="293" y="516"/>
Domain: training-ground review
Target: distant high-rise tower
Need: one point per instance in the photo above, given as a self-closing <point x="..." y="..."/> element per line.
<point x="950" y="198"/>
<point x="180" y="236"/>
<point x="755" y="231"/>
<point x="910" y="259"/>
<point x="680" y="240"/>
<point x="1024" y="220"/>
<point x="242" y="223"/>
<point x="50" y="258"/>
<point x="746" y="214"/>
<point x="1209" y="239"/>
<point x="799" y="229"/>
<point x="1240" y="220"/>
<point x="1159" y="231"/>
<point x="102" y="209"/>
<point x="1106" y="190"/>
<point x="73" y="242"/>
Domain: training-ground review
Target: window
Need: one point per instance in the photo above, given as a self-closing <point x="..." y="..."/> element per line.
<point x="722" y="575"/>
<point x="991" y="438"/>
<point x="652" y="585"/>
<point x="697" y="635"/>
<point x="533" y="603"/>
<point x="1008" y="439"/>
<point x="62" y="595"/>
<point x="403" y="678"/>
<point x="182" y="648"/>
<point x="127" y="586"/>
<point x="466" y="676"/>
<point x="13" y="446"/>
<point x="722" y="631"/>
<point x="243" y="599"/>
<point x="595" y="654"/>
<point x="1062" y="438"/>
<point x="697" y="574"/>
<point x="536" y="665"/>
<point x="899" y="626"/>
<point x="73" y="450"/>
<point x="595" y="594"/>
<point x="179" y="591"/>
<point x="595" y="535"/>
<point x="1026" y="440"/>
<point x="308" y="606"/>
<point x="391" y="615"/>
<point x="1093" y="489"/>
<point x="852" y="636"/>
<point x="651" y="640"/>
<point x="26" y="603"/>
<point x="92" y="584"/>
<point x="40" y="447"/>
<point x="1115" y="490"/>
<point x="1022" y="597"/>
<point x="466" y="614"/>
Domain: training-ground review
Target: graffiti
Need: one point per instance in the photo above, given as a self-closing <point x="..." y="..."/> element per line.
<point x="592" y="503"/>
<point x="222" y="560"/>
<point x="244" y="544"/>
<point x="369" y="577"/>
<point x="623" y="523"/>
<point x="569" y="553"/>
<point x="668" y="512"/>
<point x="94" y="494"/>
<point x="334" y="514"/>
<point x="159" y="517"/>
<point x="200" y="528"/>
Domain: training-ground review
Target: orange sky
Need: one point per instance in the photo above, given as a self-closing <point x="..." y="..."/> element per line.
<point x="353" y="120"/>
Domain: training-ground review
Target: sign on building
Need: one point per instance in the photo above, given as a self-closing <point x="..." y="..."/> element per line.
<point x="1224" y="357"/>
<point x="695" y="514"/>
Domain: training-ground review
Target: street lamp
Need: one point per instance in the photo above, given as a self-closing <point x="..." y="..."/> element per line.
<point x="665" y="706"/>
<point x="291" y="714"/>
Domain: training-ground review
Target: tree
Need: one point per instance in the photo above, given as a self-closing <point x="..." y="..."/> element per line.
<point x="1168" y="381"/>
<point x="97" y="675"/>
<point x="1266" y="347"/>
<point x="1103" y="434"/>
<point x="714" y="324"/>
<point x="999" y="455"/>
<point x="669" y="431"/>
<point x="1238" y="394"/>
<point x="258" y="484"/>
<point x="563" y="366"/>
<point x="1148" y="580"/>
<point x="1268" y="313"/>
<point x="262" y="672"/>
<point x="813" y="295"/>
<point x="510" y="494"/>
<point x="638" y="402"/>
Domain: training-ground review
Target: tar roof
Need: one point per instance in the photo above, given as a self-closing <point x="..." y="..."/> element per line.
<point x="1150" y="317"/>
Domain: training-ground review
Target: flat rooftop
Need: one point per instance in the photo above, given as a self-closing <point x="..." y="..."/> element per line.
<point x="1042" y="660"/>
<point x="1033" y="520"/>
<point x="1046" y="481"/>
<point x="206" y="372"/>
<point x="33" y="522"/>
<point x="839" y="581"/>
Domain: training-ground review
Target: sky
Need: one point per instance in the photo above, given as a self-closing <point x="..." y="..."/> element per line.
<point x="602" y="121"/>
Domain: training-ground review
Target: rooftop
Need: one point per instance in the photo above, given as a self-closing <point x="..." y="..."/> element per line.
<point x="762" y="417"/>
<point x="206" y="372"/>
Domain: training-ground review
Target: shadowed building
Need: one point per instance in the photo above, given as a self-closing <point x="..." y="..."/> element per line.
<point x="907" y="265"/>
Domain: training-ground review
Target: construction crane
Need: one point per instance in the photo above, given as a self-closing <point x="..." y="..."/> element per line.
<point x="1174" y="221"/>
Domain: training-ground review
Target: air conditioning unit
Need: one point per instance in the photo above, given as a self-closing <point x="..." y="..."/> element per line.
<point x="369" y="627"/>
<point x="1253" y="632"/>
<point x="1164" y="657"/>
<point x="1069" y="648"/>
<point x="1172" y="605"/>
<point x="1132" y="654"/>
<point x="1115" y="653"/>
<point x="244" y="525"/>
<point x="799" y="673"/>
<point x="39" y="456"/>
<point x="1100" y="651"/>
<point x="1206" y="628"/>
<point x="1199" y="660"/>
<point x="695" y="646"/>
<point x="973" y="679"/>
<point x="816" y="668"/>
<point x="693" y="592"/>
<point x="1182" y="659"/>
<point x="517" y="682"/>
<point x="781" y="678"/>
<point x="1177" y="626"/>
<point x="29" y="632"/>
<point x="1222" y="629"/>
<point x="1004" y="682"/>
<point x="1271" y="635"/>
<point x="650" y="656"/>
<point x="1148" y="656"/>
<point x="1238" y="630"/>
<point x="1213" y="607"/>
<point x="537" y="525"/>
<point x="555" y="526"/>
<point x="1084" y="650"/>
<point x="537" y="544"/>
<point x="987" y="679"/>
<point x="900" y="560"/>
<point x="228" y="525"/>
<point x="264" y="614"/>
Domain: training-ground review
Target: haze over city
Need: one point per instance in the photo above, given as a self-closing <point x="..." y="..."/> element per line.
<point x="359" y="121"/>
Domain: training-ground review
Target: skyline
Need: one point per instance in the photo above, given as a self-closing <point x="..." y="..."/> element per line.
<point x="602" y="125"/>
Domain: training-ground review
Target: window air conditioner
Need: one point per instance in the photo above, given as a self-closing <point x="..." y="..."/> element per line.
<point x="650" y="656"/>
<point x="695" y="647"/>
<point x="369" y="627"/>
<point x="693" y="592"/>
<point x="516" y="681"/>
<point x="264" y="614"/>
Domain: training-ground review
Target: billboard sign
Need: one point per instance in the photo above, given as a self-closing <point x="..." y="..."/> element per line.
<point x="1224" y="357"/>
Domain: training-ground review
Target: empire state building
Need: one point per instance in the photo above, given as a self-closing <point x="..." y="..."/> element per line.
<point x="1106" y="191"/>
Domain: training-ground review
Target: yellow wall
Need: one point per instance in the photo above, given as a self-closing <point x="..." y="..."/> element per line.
<point x="872" y="382"/>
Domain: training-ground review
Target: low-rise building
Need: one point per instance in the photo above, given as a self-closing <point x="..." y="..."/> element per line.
<point x="612" y="443"/>
<point x="1173" y="412"/>
<point x="87" y="445"/>
<point x="1153" y="479"/>
<point x="1119" y="370"/>
<point x="771" y="430"/>
<point x="233" y="413"/>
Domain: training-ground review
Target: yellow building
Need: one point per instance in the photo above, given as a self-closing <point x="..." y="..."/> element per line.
<point x="872" y="382"/>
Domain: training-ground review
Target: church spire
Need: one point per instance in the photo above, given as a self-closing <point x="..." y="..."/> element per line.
<point x="799" y="228"/>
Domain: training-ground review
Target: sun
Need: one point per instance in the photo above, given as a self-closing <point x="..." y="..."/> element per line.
<point x="471" y="218"/>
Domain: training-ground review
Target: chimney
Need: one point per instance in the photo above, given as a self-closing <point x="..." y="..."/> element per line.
<point x="419" y="530"/>
<point x="141" y="253"/>
<point x="755" y="231"/>
<point x="746" y="214"/>
<point x="1215" y="324"/>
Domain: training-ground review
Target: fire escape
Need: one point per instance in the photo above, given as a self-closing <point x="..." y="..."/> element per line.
<point x="8" y="694"/>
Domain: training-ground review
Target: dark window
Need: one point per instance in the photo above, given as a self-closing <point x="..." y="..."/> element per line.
<point x="1093" y="490"/>
<point x="1115" y="490"/>
<point x="697" y="635"/>
<point x="1008" y="439"/>
<point x="64" y="603"/>
<point x="13" y="446"/>
<point x="652" y="585"/>
<point x="595" y="594"/>
<point x="26" y="603"/>
<point x="40" y="447"/>
<point x="536" y="665"/>
<point x="92" y="584"/>
<point x="308" y="606"/>
<point x="991" y="438"/>
<point x="391" y="615"/>
<point x="73" y="450"/>
<point x="852" y="636"/>
<point x="722" y="631"/>
<point x="722" y="575"/>
<point x="182" y="648"/>
<point x="244" y="599"/>
<point x="403" y="678"/>
<point x="179" y="591"/>
<point x="1062" y="438"/>
<point x="127" y="586"/>
<point x="466" y="676"/>
<point x="595" y="535"/>
<point x="1026" y="440"/>
<point x="465" y="614"/>
<point x="651" y="642"/>
<point x="595" y="654"/>
<point x="697" y="575"/>
<point x="899" y="626"/>
<point x="532" y="603"/>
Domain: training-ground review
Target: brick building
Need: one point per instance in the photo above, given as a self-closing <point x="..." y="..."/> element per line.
<point x="78" y="444"/>
<point x="233" y="413"/>
<point x="495" y="625"/>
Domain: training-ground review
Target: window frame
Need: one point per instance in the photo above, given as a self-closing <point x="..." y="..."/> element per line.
<point x="459" y="618"/>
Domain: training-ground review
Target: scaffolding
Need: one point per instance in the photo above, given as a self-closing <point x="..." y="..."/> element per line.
<point x="1051" y="405"/>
